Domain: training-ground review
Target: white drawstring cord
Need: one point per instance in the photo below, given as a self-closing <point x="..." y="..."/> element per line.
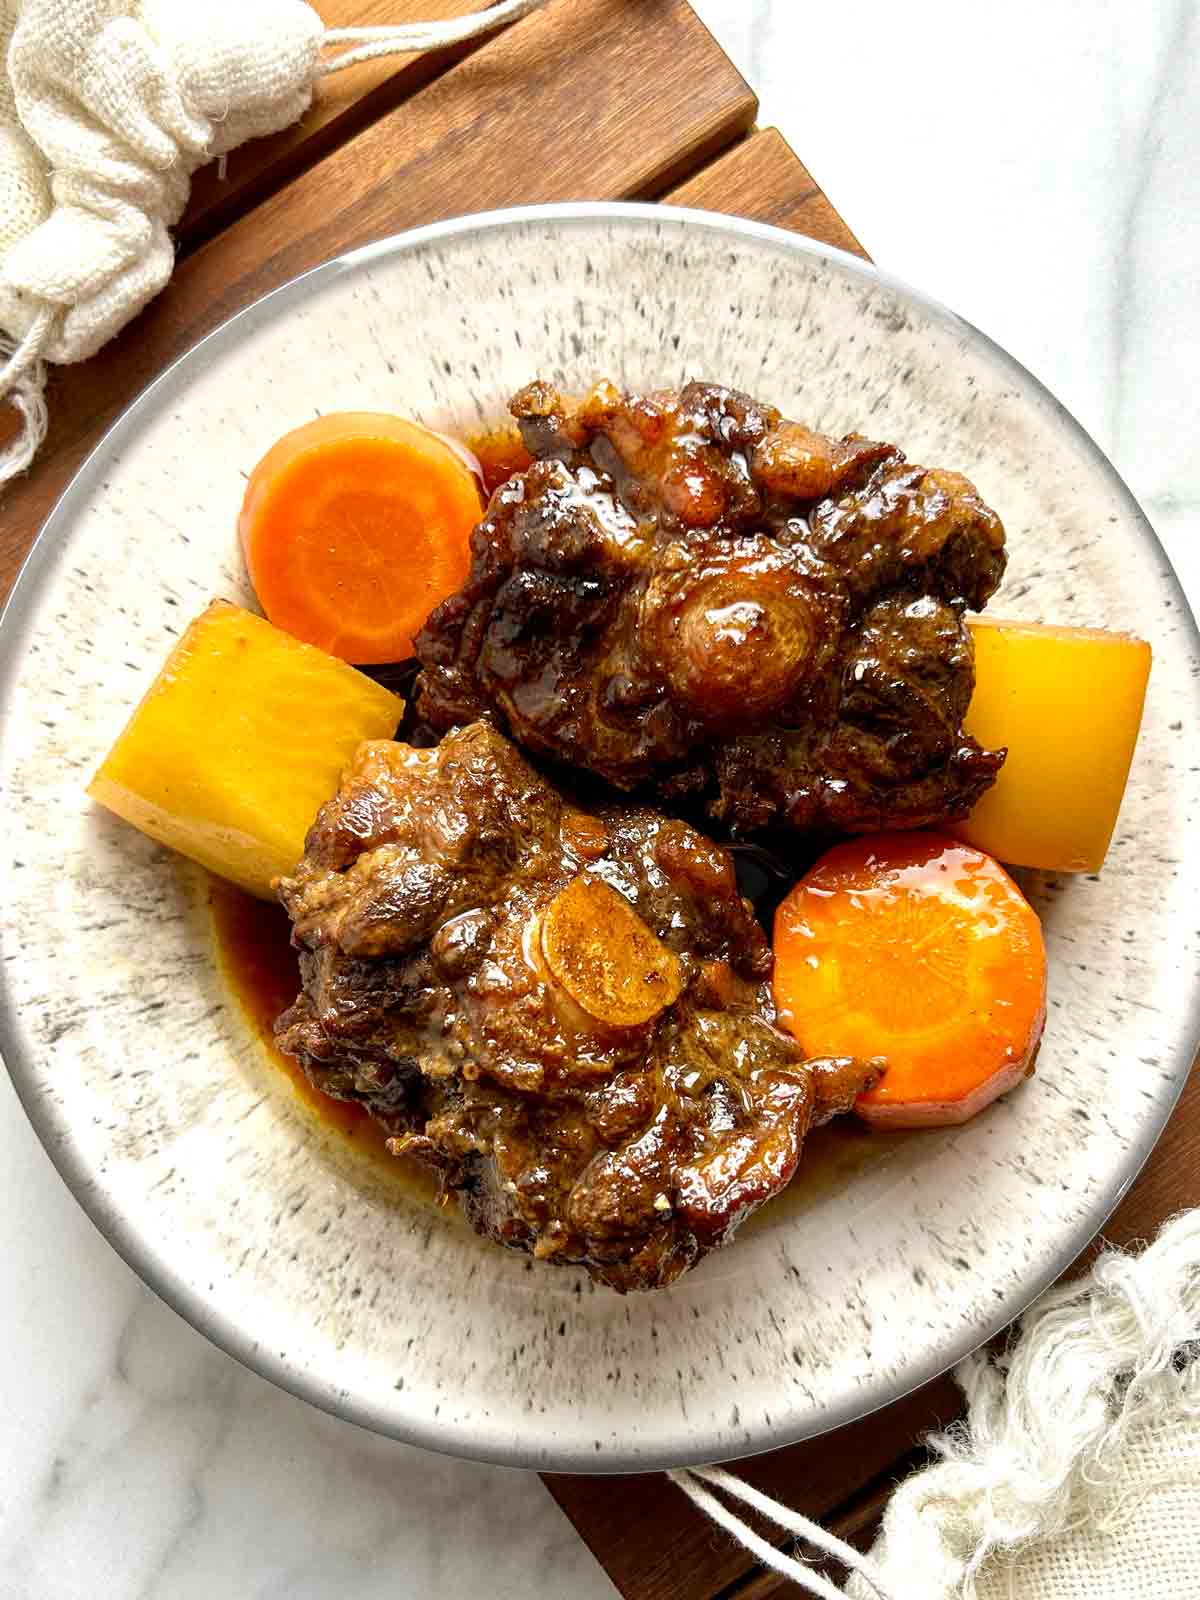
<point x="692" y="1481"/>
<point x="25" y="356"/>
<point x="23" y="384"/>
<point x="369" y="43"/>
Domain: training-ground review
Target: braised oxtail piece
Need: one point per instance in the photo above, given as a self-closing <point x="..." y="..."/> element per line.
<point x="567" y="1013"/>
<point x="687" y="595"/>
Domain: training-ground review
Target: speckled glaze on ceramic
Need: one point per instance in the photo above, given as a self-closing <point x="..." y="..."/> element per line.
<point x="186" y="1147"/>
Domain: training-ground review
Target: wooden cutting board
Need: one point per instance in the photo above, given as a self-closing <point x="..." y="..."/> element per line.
<point x="590" y="99"/>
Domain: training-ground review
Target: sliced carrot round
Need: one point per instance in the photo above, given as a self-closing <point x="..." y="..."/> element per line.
<point x="354" y="527"/>
<point x="920" y="950"/>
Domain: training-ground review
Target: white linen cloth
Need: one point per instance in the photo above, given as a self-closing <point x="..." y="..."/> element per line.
<point x="1075" y="1473"/>
<point x="107" y="107"/>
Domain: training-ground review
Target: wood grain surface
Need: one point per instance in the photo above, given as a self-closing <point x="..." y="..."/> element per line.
<point x="591" y="99"/>
<point x="343" y="104"/>
<point x="762" y="177"/>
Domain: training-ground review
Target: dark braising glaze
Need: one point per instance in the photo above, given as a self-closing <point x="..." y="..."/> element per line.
<point x="253" y="940"/>
<point x="471" y="970"/>
<point x="500" y="452"/>
<point x="745" y="613"/>
<point x="834" y="1158"/>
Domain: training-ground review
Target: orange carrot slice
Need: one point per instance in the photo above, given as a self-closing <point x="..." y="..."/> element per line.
<point x="354" y="527"/>
<point x="920" y="950"/>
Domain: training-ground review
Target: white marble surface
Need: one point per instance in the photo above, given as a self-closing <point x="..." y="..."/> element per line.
<point x="1037" y="167"/>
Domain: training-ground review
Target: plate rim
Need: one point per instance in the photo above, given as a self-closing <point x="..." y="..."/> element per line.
<point x="130" y="1243"/>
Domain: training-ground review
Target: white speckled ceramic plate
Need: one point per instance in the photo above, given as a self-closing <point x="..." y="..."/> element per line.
<point x="177" y="1135"/>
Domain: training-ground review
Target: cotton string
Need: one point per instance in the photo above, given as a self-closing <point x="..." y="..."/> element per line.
<point x="23" y="383"/>
<point x="370" y="43"/>
<point x="692" y="1481"/>
<point x="22" y="370"/>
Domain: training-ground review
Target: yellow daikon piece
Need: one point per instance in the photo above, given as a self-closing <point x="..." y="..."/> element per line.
<point x="237" y="744"/>
<point x="1068" y="704"/>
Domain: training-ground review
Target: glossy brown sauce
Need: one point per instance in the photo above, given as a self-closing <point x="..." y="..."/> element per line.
<point x="832" y="1160"/>
<point x="259" y="965"/>
<point x="253" y="940"/>
<point x="500" y="453"/>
